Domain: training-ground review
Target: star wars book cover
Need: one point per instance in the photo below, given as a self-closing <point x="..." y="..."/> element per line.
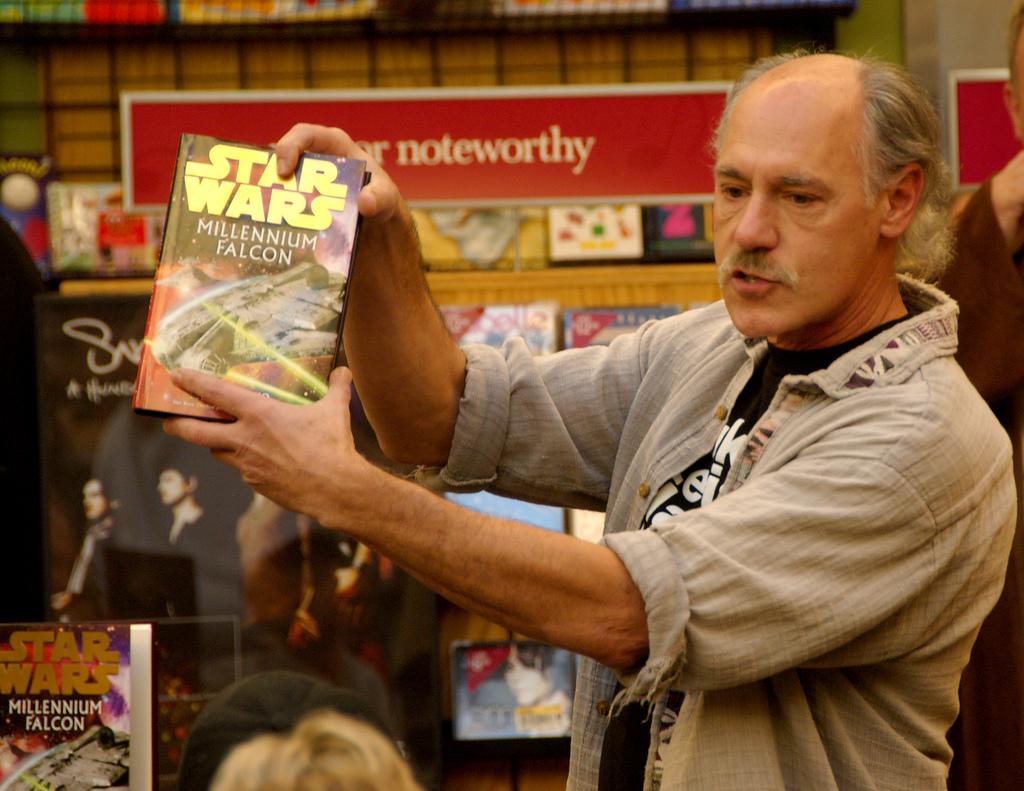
<point x="77" y="706"/>
<point x="253" y="274"/>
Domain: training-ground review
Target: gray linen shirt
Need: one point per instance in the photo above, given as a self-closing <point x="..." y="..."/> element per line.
<point x="819" y="613"/>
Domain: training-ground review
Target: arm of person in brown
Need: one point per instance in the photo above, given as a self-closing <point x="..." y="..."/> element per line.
<point x="407" y="369"/>
<point x="988" y="284"/>
<point x="545" y="585"/>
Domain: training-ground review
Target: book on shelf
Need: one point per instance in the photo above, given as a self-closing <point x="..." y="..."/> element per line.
<point x="599" y="326"/>
<point x="204" y="12"/>
<point x="91" y="235"/>
<point x="535" y="322"/>
<point x="604" y="233"/>
<point x="23" y="180"/>
<point x="539" y="7"/>
<point x="518" y="689"/>
<point x="455" y="239"/>
<point x="253" y="275"/>
<point x="77" y="703"/>
<point x="679" y="232"/>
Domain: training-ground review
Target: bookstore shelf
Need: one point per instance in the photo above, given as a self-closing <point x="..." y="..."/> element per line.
<point x="570" y="286"/>
<point x="183" y="20"/>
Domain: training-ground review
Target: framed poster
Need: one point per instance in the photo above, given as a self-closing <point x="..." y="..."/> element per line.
<point x="142" y="525"/>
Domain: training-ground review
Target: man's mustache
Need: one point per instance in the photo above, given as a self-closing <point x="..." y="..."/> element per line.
<point x="758" y="264"/>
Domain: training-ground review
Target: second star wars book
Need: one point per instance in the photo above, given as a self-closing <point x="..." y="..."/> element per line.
<point x="77" y="706"/>
<point x="253" y="275"/>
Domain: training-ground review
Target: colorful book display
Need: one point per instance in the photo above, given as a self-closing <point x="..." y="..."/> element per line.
<point x="598" y="326"/>
<point x="253" y="274"/>
<point x="23" y="180"/>
<point x="465" y="239"/>
<point x="535" y="322"/>
<point x="520" y="7"/>
<point x="92" y="236"/>
<point x="213" y="13"/>
<point x="77" y="704"/>
<point x="595" y="233"/>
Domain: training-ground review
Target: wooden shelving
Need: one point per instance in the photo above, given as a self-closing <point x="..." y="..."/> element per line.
<point x="581" y="286"/>
<point x="570" y="286"/>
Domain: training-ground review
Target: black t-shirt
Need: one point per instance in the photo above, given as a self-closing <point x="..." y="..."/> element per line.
<point x="627" y="738"/>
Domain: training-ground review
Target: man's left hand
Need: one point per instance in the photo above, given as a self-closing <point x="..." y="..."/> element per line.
<point x="301" y="457"/>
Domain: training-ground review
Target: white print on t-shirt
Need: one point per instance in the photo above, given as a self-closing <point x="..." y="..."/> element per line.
<point x="728" y="447"/>
<point x="700" y="483"/>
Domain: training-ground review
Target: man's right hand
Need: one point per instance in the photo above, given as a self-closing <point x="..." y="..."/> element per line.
<point x="407" y="369"/>
<point x="1008" y="201"/>
<point x="380" y="199"/>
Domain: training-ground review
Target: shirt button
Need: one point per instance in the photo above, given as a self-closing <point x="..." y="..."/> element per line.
<point x="643" y="490"/>
<point x="720" y="412"/>
<point x="603" y="707"/>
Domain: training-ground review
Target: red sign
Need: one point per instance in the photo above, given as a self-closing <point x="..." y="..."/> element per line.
<point x="623" y="143"/>
<point x="981" y="133"/>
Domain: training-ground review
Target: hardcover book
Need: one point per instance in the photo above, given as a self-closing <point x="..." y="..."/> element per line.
<point x="511" y="690"/>
<point x="77" y="706"/>
<point x="253" y="274"/>
<point x="598" y="326"/>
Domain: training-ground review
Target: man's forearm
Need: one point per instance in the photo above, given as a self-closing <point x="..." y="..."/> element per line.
<point x="408" y="371"/>
<point x="545" y="585"/>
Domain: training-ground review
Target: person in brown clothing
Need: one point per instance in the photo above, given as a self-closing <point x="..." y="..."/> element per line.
<point x="987" y="281"/>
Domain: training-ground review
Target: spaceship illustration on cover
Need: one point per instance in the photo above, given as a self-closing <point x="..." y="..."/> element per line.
<point x="292" y="314"/>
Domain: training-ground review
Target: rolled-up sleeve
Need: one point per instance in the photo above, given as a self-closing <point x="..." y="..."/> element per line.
<point x="542" y="428"/>
<point x="481" y="427"/>
<point x="859" y="568"/>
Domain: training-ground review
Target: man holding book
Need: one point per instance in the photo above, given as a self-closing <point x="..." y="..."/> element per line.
<point x="808" y="506"/>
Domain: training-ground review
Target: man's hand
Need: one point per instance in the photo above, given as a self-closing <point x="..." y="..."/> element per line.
<point x="409" y="372"/>
<point x="1008" y="201"/>
<point x="301" y="457"/>
<point x="378" y="200"/>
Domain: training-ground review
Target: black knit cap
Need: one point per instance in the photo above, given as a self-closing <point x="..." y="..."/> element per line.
<point x="269" y="702"/>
